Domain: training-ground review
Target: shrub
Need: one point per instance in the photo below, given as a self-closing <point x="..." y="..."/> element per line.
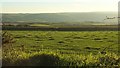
<point x="38" y="60"/>
<point x="7" y="38"/>
<point x="44" y="60"/>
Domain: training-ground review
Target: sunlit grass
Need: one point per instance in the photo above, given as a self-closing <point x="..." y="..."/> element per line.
<point x="32" y="48"/>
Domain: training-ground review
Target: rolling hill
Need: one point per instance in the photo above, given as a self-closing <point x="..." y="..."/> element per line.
<point x="72" y="17"/>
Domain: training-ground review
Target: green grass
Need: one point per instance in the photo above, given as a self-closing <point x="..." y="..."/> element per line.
<point x="48" y="58"/>
<point x="67" y="42"/>
<point x="72" y="48"/>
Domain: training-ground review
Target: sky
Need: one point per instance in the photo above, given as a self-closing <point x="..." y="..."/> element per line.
<point x="55" y="6"/>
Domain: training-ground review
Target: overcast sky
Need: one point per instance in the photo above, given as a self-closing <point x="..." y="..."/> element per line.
<point x="53" y="6"/>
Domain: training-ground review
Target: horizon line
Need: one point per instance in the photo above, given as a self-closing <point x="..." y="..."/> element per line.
<point x="55" y="12"/>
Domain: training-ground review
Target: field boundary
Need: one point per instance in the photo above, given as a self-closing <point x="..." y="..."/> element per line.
<point x="81" y="28"/>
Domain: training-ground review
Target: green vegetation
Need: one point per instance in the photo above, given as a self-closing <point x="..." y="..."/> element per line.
<point x="62" y="48"/>
<point x="60" y="39"/>
<point x="48" y="58"/>
<point x="7" y="38"/>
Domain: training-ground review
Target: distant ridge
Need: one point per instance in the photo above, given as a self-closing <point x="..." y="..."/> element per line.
<point x="59" y="17"/>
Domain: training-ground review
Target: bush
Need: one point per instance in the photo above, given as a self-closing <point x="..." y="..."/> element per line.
<point x="37" y="60"/>
<point x="7" y="38"/>
<point x="44" y="60"/>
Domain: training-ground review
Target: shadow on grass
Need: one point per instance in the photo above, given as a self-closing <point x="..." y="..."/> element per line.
<point x="55" y="60"/>
<point x="40" y="60"/>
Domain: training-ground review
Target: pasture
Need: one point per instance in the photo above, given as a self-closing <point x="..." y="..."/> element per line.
<point x="67" y="42"/>
<point x="72" y="46"/>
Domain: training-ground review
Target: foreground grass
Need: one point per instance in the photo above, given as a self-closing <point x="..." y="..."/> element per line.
<point x="48" y="58"/>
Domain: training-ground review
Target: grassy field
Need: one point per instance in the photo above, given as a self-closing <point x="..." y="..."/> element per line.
<point x="63" y="48"/>
<point x="78" y="42"/>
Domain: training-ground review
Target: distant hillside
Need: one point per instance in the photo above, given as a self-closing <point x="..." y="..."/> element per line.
<point x="60" y="17"/>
